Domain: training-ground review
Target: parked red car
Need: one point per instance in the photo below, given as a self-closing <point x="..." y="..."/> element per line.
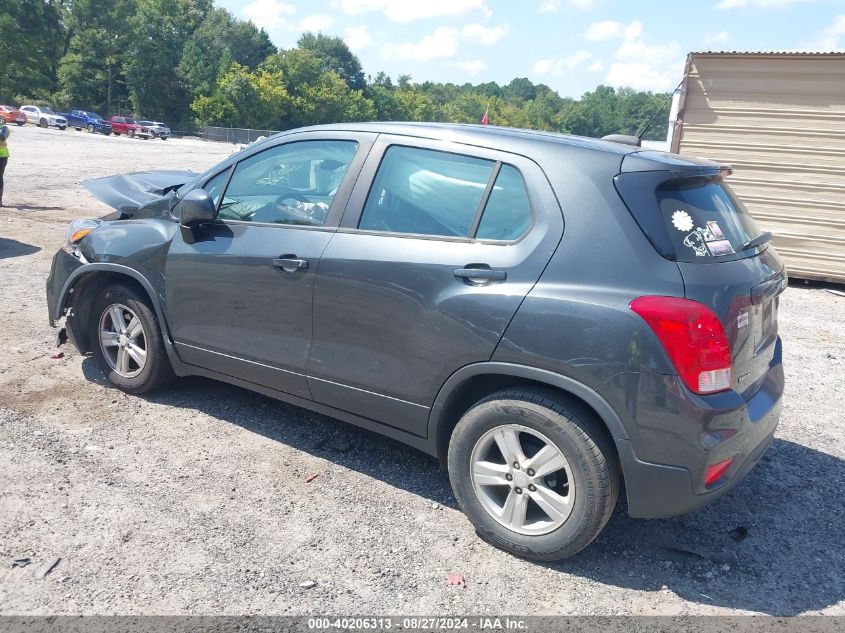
<point x="11" y="114"/>
<point x="127" y="125"/>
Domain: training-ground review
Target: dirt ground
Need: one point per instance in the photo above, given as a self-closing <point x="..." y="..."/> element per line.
<point x="194" y="500"/>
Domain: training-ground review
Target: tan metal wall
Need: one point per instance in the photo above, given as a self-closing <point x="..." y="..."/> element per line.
<point x="779" y="119"/>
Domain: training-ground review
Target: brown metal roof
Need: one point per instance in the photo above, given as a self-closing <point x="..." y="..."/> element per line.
<point x="775" y="53"/>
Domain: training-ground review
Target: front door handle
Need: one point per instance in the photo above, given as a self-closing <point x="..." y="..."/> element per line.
<point x="290" y="263"/>
<point x="480" y="274"/>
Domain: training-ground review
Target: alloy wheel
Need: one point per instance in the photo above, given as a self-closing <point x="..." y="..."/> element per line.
<point x="122" y="340"/>
<point x="522" y="479"/>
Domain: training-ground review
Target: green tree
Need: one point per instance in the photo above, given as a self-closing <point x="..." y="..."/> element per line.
<point x="335" y="55"/>
<point x="33" y="39"/>
<point x="218" y="41"/>
<point x="91" y="73"/>
<point x="157" y="88"/>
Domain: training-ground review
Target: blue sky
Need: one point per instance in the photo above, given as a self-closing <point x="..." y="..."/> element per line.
<point x="571" y="45"/>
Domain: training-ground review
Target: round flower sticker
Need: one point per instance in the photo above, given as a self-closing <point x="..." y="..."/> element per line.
<point x="682" y="220"/>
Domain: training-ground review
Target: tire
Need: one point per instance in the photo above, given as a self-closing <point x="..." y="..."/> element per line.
<point x="535" y="418"/>
<point x="90" y="129"/>
<point x="63" y="128"/>
<point x="152" y="136"/>
<point x="156" y="370"/>
<point x="131" y="133"/>
<point x="43" y="123"/>
<point x="117" y="133"/>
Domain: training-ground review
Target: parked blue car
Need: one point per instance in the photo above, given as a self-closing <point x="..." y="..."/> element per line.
<point x="91" y="121"/>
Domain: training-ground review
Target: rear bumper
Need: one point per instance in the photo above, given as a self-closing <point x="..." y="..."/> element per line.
<point x="675" y="435"/>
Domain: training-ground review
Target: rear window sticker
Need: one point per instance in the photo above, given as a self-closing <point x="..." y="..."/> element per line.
<point x="742" y="320"/>
<point x="721" y="247"/>
<point x="682" y="220"/>
<point x="695" y="241"/>
<point x="715" y="230"/>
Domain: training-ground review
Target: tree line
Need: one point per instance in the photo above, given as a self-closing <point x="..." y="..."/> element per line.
<point x="190" y="64"/>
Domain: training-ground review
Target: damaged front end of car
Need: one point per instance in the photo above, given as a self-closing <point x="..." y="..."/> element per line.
<point x="129" y="244"/>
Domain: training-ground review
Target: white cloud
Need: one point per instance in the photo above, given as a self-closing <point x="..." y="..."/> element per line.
<point x="604" y="30"/>
<point x="442" y="44"/>
<point x="553" y="6"/>
<point x="316" y="22"/>
<point x="411" y="10"/>
<point x="829" y="38"/>
<point x="268" y="14"/>
<point x="559" y="65"/>
<point x="757" y="4"/>
<point x="484" y="35"/>
<point x="595" y="67"/>
<point x="471" y="67"/>
<point x="643" y="66"/>
<point x="716" y="38"/>
<point x="357" y="37"/>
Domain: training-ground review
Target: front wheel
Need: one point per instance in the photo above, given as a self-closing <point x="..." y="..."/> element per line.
<point x="536" y="476"/>
<point x="127" y="340"/>
<point x="90" y="129"/>
<point x="43" y="123"/>
<point x="131" y="133"/>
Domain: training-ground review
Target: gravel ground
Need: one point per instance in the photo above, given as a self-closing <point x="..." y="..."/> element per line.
<point x="194" y="500"/>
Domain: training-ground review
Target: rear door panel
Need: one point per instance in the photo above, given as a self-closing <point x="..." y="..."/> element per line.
<point x="392" y="321"/>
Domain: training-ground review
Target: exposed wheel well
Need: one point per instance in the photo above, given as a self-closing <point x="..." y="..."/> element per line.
<point x="83" y="292"/>
<point x="481" y="386"/>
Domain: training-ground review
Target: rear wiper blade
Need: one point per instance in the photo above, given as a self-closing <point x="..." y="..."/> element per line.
<point x="765" y="236"/>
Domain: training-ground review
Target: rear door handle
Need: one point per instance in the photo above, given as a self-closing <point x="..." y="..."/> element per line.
<point x="290" y="263"/>
<point x="480" y="274"/>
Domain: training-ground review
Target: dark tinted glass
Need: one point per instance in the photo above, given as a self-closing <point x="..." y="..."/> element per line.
<point x="704" y="219"/>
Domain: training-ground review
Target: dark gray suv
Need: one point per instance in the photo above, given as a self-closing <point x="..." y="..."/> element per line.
<point x="549" y="315"/>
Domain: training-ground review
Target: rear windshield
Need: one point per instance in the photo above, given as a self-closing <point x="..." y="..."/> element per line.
<point x="704" y="219"/>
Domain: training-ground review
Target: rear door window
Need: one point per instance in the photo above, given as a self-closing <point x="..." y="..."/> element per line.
<point x="426" y="192"/>
<point x="704" y="219"/>
<point x="429" y="192"/>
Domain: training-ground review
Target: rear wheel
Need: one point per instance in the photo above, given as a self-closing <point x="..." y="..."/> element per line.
<point x="127" y="340"/>
<point x="536" y="477"/>
<point x="152" y="135"/>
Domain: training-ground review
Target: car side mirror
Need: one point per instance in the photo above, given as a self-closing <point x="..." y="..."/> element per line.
<point x="196" y="208"/>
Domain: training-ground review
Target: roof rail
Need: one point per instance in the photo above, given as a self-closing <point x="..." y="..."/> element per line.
<point x="625" y="139"/>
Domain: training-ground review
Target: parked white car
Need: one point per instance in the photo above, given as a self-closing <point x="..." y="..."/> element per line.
<point x="43" y="117"/>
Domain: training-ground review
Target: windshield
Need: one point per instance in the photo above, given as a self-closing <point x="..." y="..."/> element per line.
<point x="146" y="123"/>
<point x="47" y="111"/>
<point x="130" y="120"/>
<point x="704" y="219"/>
<point x="95" y="116"/>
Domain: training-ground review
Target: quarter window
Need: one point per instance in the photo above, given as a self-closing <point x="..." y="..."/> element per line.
<point x="426" y="192"/>
<point x="287" y="184"/>
<point x="507" y="214"/>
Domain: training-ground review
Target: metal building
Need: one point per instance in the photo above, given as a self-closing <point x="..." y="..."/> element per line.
<point x="779" y="119"/>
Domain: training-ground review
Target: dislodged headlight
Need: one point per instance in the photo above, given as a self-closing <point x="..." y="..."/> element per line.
<point x="77" y="230"/>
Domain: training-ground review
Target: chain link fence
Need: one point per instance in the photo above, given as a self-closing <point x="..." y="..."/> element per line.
<point x="244" y="136"/>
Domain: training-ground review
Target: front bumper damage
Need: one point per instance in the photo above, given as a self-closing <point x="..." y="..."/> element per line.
<point x="60" y="296"/>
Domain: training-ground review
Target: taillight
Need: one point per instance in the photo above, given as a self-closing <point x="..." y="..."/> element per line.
<point x="693" y="337"/>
